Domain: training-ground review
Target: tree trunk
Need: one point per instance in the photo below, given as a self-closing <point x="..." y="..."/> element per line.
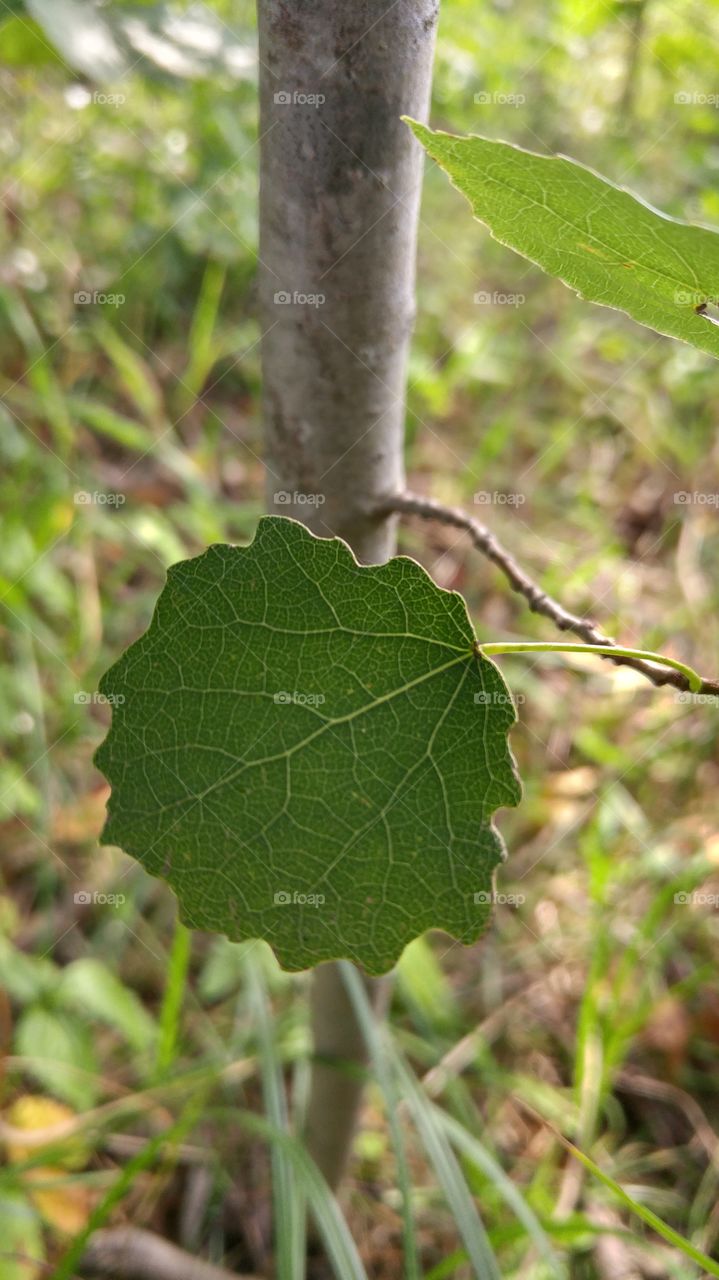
<point x="339" y="196"/>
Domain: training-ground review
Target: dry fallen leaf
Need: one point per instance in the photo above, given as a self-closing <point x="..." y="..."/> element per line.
<point x="63" y="1206"/>
<point x="66" y="1206"/>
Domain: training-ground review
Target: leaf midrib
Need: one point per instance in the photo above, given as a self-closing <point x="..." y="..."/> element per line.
<point x="565" y="222"/>
<point x="232" y="775"/>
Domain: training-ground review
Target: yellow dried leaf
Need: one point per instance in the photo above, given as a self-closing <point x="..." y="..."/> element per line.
<point x="65" y="1208"/>
<point x="32" y="1112"/>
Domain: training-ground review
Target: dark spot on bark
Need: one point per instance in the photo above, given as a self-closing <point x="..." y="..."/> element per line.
<point x="288" y="28"/>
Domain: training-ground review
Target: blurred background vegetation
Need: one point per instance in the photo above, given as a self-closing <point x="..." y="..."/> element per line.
<point x="129" y="171"/>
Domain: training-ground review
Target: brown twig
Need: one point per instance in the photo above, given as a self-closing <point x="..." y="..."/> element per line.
<point x="141" y="1255"/>
<point x="412" y="504"/>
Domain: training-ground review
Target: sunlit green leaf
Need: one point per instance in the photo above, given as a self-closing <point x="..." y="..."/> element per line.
<point x="599" y="239"/>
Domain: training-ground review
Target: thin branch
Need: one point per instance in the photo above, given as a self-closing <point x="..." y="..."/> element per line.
<point x="412" y="504"/>
<point x="130" y="1252"/>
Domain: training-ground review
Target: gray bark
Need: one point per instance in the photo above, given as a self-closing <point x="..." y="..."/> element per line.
<point x="339" y="198"/>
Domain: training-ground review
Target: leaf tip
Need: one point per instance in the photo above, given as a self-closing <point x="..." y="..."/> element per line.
<point x="419" y="130"/>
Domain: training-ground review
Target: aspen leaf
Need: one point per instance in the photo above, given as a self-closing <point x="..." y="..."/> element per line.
<point x="310" y="751"/>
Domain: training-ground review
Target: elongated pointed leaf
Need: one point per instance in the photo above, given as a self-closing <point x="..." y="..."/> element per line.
<point x="599" y="239"/>
<point x="310" y="751"/>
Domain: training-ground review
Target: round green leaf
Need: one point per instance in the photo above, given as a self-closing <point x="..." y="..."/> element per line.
<point x="310" y="751"/>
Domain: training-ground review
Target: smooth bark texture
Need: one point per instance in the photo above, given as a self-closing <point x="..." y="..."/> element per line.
<point x="340" y="1056"/>
<point x="339" y="200"/>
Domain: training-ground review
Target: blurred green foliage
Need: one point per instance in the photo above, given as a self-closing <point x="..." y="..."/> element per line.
<point x="144" y="187"/>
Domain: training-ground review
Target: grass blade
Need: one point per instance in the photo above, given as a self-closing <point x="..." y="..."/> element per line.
<point x="635" y="1206"/>
<point x="39" y="372"/>
<point x="135" y="376"/>
<point x="201" y="347"/>
<point x="67" y="1266"/>
<point x="478" y="1154"/>
<point x="651" y="1219"/>
<point x="335" y="1234"/>
<point x="377" y="1045"/>
<point x="172" y="999"/>
<point x="457" y="1194"/>
<point x="289" y="1202"/>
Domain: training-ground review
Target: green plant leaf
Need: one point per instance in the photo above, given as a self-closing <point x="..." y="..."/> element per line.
<point x="310" y="751"/>
<point x="599" y="239"/>
<point x="87" y="986"/>
<point x="25" y="977"/>
<point x="60" y="1055"/>
<point x="22" y="1252"/>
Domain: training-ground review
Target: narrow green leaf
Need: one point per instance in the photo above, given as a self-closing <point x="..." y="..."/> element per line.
<point x="114" y="426"/>
<point x="134" y="373"/>
<point x="161" y="1143"/>
<point x="376" y="1038"/>
<point x="223" y="970"/>
<point x="651" y="1219"/>
<point x="25" y="977"/>
<point x="477" y="1153"/>
<point x="425" y="987"/>
<point x="201" y="341"/>
<point x="599" y="239"/>
<point x="173" y="998"/>
<point x="336" y="1236"/>
<point x="641" y="1211"/>
<point x="40" y="372"/>
<point x="459" y="1198"/>
<point x="287" y="1192"/>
